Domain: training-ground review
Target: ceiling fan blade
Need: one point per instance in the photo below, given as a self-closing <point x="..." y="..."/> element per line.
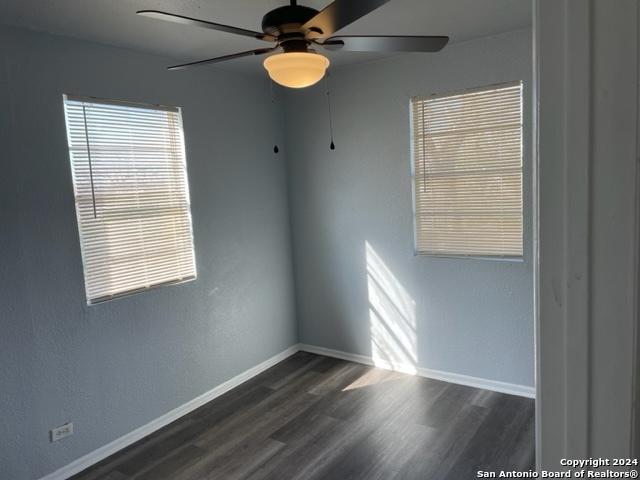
<point x="170" y="17"/>
<point x="248" y="53"/>
<point x="385" y="43"/>
<point x="338" y="15"/>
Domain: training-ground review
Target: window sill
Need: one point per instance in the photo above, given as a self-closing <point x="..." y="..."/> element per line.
<point x="495" y="258"/>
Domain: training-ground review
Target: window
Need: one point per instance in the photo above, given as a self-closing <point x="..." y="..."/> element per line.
<point x="132" y="197"/>
<point x="467" y="170"/>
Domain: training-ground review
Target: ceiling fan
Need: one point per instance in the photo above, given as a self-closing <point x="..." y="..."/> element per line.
<point x="293" y="29"/>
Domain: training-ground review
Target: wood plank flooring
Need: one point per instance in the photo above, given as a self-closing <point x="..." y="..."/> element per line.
<point x="312" y="417"/>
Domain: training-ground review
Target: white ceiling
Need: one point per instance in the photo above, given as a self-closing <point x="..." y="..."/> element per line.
<point x="113" y="22"/>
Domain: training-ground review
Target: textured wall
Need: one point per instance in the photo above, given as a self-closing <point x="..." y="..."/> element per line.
<point x="472" y="317"/>
<point x="113" y="367"/>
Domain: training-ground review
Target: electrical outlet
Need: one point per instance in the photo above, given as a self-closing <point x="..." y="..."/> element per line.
<point x="61" y="432"/>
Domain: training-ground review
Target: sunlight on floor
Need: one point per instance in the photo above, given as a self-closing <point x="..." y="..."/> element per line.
<point x="373" y="377"/>
<point x="392" y="317"/>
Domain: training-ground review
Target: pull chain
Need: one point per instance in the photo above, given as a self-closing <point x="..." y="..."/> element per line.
<point x="273" y="108"/>
<point x="332" y="145"/>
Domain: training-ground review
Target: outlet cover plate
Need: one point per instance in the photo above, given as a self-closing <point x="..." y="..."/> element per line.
<point x="62" y="431"/>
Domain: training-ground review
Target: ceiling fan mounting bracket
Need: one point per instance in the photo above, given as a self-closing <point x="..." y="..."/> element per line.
<point x="287" y="19"/>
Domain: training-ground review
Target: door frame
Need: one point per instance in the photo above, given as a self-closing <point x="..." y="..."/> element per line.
<point x="586" y="206"/>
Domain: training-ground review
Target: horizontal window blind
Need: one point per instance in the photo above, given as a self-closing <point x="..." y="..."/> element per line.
<point x="132" y="197"/>
<point x="467" y="167"/>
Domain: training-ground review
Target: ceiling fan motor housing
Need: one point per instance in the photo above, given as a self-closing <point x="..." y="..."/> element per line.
<point x="285" y="23"/>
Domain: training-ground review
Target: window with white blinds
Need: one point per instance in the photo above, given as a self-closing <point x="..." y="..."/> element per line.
<point x="132" y="196"/>
<point x="467" y="168"/>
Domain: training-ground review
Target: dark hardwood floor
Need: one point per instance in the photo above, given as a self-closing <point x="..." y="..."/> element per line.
<point x="313" y="417"/>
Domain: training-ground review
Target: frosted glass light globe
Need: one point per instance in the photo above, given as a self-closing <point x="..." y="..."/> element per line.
<point x="296" y="69"/>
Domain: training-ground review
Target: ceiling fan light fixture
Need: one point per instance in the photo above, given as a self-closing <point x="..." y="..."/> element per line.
<point x="296" y="69"/>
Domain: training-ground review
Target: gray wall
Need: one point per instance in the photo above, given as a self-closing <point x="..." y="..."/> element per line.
<point x="113" y="367"/>
<point x="472" y="317"/>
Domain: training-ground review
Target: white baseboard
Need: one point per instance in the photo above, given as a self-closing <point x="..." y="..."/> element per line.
<point x="493" y="385"/>
<point x="139" y="433"/>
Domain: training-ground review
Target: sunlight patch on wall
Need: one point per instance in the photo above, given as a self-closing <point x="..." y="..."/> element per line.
<point x="392" y="317"/>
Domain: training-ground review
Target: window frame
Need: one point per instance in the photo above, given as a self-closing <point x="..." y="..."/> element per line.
<point x="155" y="107"/>
<point x="412" y="164"/>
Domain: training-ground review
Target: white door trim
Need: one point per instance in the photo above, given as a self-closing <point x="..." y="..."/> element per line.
<point x="586" y="241"/>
